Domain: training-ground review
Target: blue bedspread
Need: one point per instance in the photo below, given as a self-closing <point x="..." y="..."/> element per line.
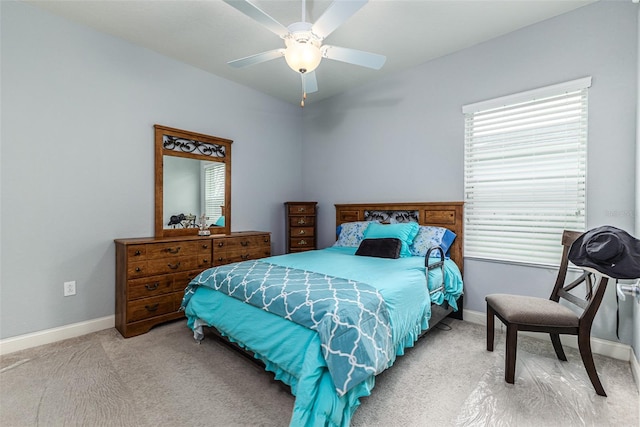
<point x="294" y="352"/>
<point x="350" y="317"/>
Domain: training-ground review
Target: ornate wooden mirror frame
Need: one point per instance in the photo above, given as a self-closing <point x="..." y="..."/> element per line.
<point x="189" y="145"/>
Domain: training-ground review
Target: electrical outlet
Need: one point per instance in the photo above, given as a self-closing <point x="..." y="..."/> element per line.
<point x="69" y="288"/>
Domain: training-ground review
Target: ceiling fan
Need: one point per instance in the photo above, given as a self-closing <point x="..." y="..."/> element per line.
<point x="303" y="40"/>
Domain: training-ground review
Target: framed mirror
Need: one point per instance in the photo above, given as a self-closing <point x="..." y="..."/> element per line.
<point x="193" y="183"/>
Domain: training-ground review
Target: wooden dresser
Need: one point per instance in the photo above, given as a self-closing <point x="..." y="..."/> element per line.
<point x="152" y="273"/>
<point x="300" y="226"/>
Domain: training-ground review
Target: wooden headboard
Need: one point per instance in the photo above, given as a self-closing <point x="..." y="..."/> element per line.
<point x="441" y="214"/>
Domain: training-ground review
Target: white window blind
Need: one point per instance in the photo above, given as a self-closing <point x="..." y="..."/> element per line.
<point x="213" y="190"/>
<point x="525" y="173"/>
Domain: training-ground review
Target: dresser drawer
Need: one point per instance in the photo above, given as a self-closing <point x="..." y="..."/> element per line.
<point x="149" y="307"/>
<point x="181" y="280"/>
<point x="302" y="209"/>
<point x="177" y="300"/>
<point x="241" y="242"/>
<point x="302" y="221"/>
<point x="227" y="257"/>
<point x="302" y="231"/>
<point x="149" y="287"/>
<point x="166" y="266"/>
<point x="168" y="250"/>
<point x="302" y="242"/>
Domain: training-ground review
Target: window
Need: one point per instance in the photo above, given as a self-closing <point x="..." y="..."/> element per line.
<point x="213" y="190"/>
<point x="525" y="172"/>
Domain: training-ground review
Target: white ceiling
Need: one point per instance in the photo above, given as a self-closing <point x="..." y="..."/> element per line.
<point x="208" y="33"/>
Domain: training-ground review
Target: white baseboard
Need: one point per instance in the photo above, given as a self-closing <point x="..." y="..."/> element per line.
<point x="34" y="339"/>
<point x="598" y="346"/>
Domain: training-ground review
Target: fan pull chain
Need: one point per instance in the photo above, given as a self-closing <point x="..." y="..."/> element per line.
<point x="304" y="96"/>
<point x="304" y="12"/>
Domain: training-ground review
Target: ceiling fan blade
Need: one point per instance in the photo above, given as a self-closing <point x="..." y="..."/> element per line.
<point x="353" y="56"/>
<point x="309" y="82"/>
<point x="257" y="14"/>
<point x="335" y="15"/>
<point x="257" y="58"/>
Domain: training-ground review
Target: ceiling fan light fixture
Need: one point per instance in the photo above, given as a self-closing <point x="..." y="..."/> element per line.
<point x="302" y="57"/>
<point x="304" y="49"/>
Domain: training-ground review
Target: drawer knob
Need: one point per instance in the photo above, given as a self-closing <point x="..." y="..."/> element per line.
<point x="152" y="287"/>
<point x="301" y="221"/>
<point x="138" y="253"/>
<point x="220" y="244"/>
<point x="153" y="307"/>
<point x="244" y="257"/>
<point x="302" y="242"/>
<point x="138" y="269"/>
<point x="301" y="209"/>
<point x="220" y="259"/>
<point x="205" y="261"/>
<point x="173" y="251"/>
<point x="205" y="246"/>
<point x="174" y="266"/>
<point x="301" y="232"/>
<point x="266" y="240"/>
<point x="246" y="243"/>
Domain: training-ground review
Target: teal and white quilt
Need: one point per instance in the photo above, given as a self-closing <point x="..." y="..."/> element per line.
<point x="350" y="317"/>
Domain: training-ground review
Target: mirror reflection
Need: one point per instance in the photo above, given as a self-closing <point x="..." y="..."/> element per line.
<point x="193" y="183"/>
<point x="193" y="190"/>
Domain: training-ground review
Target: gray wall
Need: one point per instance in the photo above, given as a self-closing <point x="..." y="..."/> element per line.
<point x="401" y="138"/>
<point x="77" y="165"/>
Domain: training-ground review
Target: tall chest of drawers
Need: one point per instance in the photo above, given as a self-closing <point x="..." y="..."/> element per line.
<point x="301" y="226"/>
<point x="152" y="273"/>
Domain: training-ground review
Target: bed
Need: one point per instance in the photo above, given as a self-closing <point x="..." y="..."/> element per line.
<point x="326" y="322"/>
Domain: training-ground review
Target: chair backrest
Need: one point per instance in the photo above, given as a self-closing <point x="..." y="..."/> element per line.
<point x="595" y="284"/>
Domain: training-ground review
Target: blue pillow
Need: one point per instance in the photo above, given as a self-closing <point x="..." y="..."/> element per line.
<point x="429" y="236"/>
<point x="405" y="231"/>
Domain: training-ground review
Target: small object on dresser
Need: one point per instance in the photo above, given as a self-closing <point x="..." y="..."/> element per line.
<point x="204" y="231"/>
<point x="301" y="226"/>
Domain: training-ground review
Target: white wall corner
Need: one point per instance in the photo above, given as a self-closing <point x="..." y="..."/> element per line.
<point x="48" y="336"/>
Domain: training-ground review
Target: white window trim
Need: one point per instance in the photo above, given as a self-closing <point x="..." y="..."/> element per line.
<point x="529" y="95"/>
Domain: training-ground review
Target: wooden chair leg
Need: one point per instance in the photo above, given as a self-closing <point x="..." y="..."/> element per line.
<point x="584" y="344"/>
<point x="510" y="354"/>
<point x="557" y="346"/>
<point x="490" y="327"/>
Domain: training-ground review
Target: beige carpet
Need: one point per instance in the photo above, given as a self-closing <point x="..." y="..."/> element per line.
<point x="164" y="378"/>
